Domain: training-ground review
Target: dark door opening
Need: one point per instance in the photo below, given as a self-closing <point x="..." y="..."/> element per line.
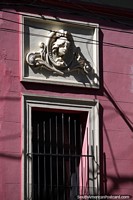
<point x="58" y="167"/>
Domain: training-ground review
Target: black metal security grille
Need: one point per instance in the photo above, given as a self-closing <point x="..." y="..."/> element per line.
<point x="57" y="142"/>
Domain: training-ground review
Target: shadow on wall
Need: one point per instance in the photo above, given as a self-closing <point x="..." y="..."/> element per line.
<point x="117" y="180"/>
<point x="14" y="156"/>
<point x="118" y="109"/>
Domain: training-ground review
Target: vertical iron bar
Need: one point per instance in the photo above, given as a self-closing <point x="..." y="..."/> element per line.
<point x="32" y="163"/>
<point x="51" y="173"/>
<point x="27" y="162"/>
<point x="38" y="163"/>
<point x="57" y="160"/>
<point x="92" y="153"/>
<point x="63" y="143"/>
<point x="69" y="140"/>
<point x="75" y="142"/>
<point x="87" y="160"/>
<point x="28" y="188"/>
<point x="97" y="170"/>
<point x="44" y="138"/>
<point x="81" y="143"/>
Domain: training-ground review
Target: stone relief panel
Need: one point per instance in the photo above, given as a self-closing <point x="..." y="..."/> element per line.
<point x="58" y="52"/>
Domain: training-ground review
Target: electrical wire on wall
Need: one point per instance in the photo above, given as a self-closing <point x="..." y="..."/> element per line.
<point x="84" y="12"/>
<point x="91" y="41"/>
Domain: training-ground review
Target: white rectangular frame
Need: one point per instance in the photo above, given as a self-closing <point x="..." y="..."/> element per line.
<point x="95" y="59"/>
<point x="91" y="106"/>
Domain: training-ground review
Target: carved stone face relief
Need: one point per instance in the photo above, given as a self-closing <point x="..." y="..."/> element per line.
<point x="61" y="57"/>
<point x="60" y="49"/>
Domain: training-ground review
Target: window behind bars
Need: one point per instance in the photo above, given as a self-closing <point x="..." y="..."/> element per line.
<point x="60" y="157"/>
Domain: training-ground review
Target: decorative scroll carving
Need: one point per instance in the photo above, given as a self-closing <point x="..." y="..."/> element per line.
<point x="60" y="56"/>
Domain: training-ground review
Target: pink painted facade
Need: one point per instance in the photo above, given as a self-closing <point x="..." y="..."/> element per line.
<point x="115" y="97"/>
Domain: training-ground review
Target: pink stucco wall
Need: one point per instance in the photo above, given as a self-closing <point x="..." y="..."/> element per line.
<point x="115" y="96"/>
